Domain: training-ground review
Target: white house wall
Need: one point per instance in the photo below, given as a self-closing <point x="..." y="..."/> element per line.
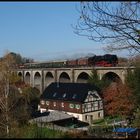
<point x="81" y="117"/>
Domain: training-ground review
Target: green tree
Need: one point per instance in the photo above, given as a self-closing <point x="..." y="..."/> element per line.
<point x="31" y="97"/>
<point x="95" y="80"/>
<point x="135" y="61"/>
<point x="122" y="61"/>
<point x="133" y="81"/>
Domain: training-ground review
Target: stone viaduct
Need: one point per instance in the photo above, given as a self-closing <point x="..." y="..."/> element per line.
<point x="41" y="78"/>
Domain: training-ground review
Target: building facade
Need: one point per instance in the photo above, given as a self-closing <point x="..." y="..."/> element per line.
<point x="80" y="100"/>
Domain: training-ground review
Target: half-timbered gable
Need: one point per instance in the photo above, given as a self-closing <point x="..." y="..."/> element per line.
<point x="81" y="100"/>
<point x="93" y="102"/>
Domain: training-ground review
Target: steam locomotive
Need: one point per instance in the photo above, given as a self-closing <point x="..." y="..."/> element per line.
<point x="107" y="60"/>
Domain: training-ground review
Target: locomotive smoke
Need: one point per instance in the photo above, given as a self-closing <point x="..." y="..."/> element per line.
<point x="82" y="55"/>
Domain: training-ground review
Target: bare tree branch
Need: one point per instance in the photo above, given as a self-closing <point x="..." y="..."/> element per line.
<point x="116" y="23"/>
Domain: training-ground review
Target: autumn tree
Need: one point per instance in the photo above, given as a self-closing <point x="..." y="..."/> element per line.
<point x="122" y="61"/>
<point x="20" y="59"/>
<point x="116" y="23"/>
<point x="135" y="60"/>
<point x="7" y="79"/>
<point x="118" y="99"/>
<point x="13" y="109"/>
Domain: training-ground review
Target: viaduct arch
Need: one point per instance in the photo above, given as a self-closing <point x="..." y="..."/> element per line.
<point x="82" y="77"/>
<point x="64" y="77"/>
<point x="49" y="78"/>
<point x="41" y="78"/>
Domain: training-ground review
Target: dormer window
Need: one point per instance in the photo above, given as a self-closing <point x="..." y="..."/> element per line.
<point x="90" y="98"/>
<point x="64" y="95"/>
<point x="54" y="94"/>
<point x="74" y="96"/>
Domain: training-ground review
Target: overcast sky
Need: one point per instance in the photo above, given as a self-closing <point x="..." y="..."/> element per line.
<point x="43" y="31"/>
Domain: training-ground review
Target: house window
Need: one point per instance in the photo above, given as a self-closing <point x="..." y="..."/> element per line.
<point x="71" y="105"/>
<point x="42" y="102"/>
<point x="54" y="103"/>
<point x="92" y="106"/>
<point x="90" y="98"/>
<point x="47" y="102"/>
<point x="99" y="114"/>
<point x="100" y="105"/>
<point x="85" y="107"/>
<point x="89" y="105"/>
<point x="62" y="104"/>
<point x="96" y="105"/>
<point x="86" y="117"/>
<point x="91" y="117"/>
<point x="77" y="106"/>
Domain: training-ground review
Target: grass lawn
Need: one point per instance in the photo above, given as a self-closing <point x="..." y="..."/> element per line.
<point x="33" y="131"/>
<point x="106" y="120"/>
